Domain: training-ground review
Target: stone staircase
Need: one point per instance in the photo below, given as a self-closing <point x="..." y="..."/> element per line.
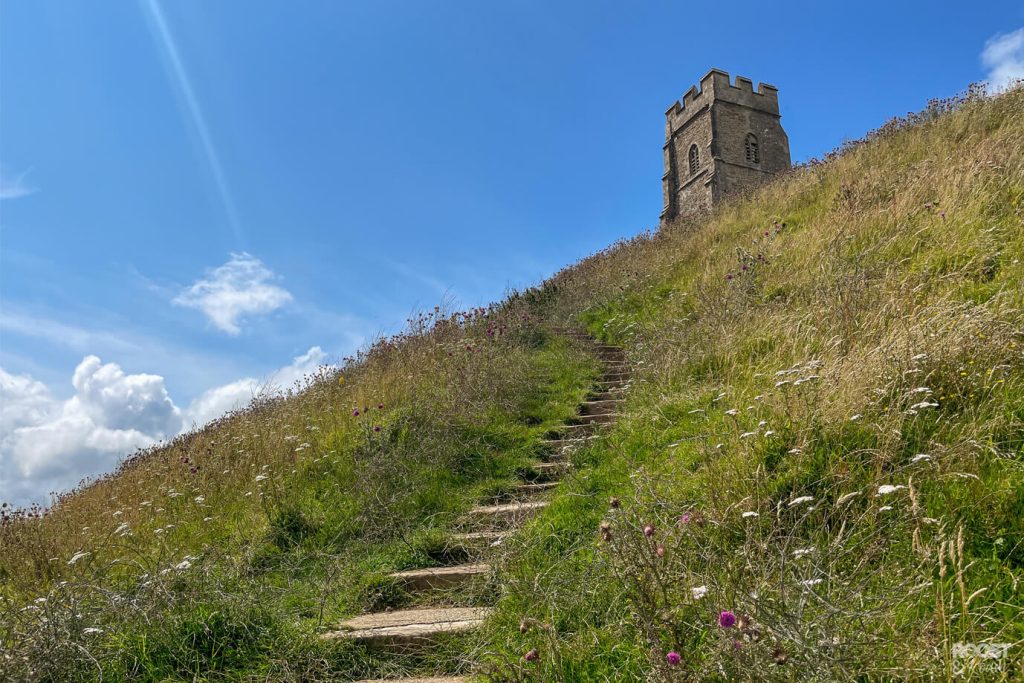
<point x="485" y="527"/>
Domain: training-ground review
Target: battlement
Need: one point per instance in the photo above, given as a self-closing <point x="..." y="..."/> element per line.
<point x="724" y="136"/>
<point x="716" y="85"/>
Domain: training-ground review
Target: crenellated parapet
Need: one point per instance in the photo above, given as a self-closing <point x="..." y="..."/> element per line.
<point x="720" y="137"/>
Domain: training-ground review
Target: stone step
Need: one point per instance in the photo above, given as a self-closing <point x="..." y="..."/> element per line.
<point x="573" y="441"/>
<point x="506" y="514"/>
<point x="436" y="578"/>
<point x="595" y="419"/>
<point x="408" y="630"/>
<point x="541" y="487"/>
<point x="600" y="406"/>
<point x="551" y="468"/>
<point x="432" y="679"/>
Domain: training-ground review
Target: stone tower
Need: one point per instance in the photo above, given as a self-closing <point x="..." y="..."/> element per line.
<point x="720" y="139"/>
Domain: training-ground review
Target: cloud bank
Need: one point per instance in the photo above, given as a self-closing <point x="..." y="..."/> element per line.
<point x="229" y="293"/>
<point x="49" y="445"/>
<point x="1003" y="58"/>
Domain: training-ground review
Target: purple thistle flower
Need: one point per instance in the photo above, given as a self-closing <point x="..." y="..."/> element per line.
<point x="685" y="519"/>
<point x="726" y="619"/>
<point x="376" y="428"/>
<point x="673" y="658"/>
<point x="532" y="656"/>
<point x="648" y="531"/>
<point x="355" y="412"/>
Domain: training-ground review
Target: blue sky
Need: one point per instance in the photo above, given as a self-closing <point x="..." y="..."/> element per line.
<point x="202" y="195"/>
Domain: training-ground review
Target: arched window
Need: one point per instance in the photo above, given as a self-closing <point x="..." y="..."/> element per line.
<point x="753" y="153"/>
<point x="694" y="160"/>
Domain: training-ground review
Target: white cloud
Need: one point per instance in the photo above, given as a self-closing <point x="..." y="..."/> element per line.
<point x="50" y="445"/>
<point x="241" y="287"/>
<point x="13" y="187"/>
<point x="215" y="402"/>
<point x="1003" y="57"/>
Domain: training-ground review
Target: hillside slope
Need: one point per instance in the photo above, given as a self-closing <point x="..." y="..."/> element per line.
<point x="817" y="473"/>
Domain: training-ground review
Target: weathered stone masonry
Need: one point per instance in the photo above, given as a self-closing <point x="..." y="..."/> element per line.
<point x="718" y="140"/>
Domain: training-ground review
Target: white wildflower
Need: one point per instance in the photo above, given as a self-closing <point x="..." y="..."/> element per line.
<point x="801" y="499"/>
<point x="769" y="432"/>
<point x="921" y="390"/>
<point x="800" y="552"/>
<point x="122" y="529"/>
<point x="78" y="556"/>
<point x="847" y="496"/>
<point x="924" y="404"/>
<point x="698" y="592"/>
<point x="762" y="423"/>
<point x="886" y="489"/>
<point x="854" y="418"/>
<point x="920" y="456"/>
<point x="781" y="383"/>
<point x="694" y="412"/>
<point x="732" y="411"/>
<point x="795" y="451"/>
<point x="183" y="565"/>
<point x="747" y="435"/>
<point x="261" y="477"/>
<point x="885" y="508"/>
<point x="200" y="499"/>
<point x="91" y="629"/>
<point x="750" y="513"/>
<point x="920" y="356"/>
<point x="810" y="582"/>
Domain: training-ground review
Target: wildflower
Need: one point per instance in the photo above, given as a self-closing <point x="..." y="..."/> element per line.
<point x="924" y="404"/>
<point x="736" y="644"/>
<point x="800" y="552"/>
<point x="886" y="489"/>
<point x="648" y="531"/>
<point x="660" y="550"/>
<point x="781" y="383"/>
<point x="732" y="411"/>
<point x="532" y="656"/>
<point x="200" y="499"/>
<point x="261" y="477"/>
<point x="920" y="456"/>
<point x="769" y="432"/>
<point x="807" y="583"/>
<point x="920" y="356"/>
<point x="376" y="428"/>
<point x="726" y="619"/>
<point x="885" y="508"/>
<point x="685" y="518"/>
<point x="749" y="513"/>
<point x="795" y="451"/>
<point x="921" y="390"/>
<point x="183" y="565"/>
<point x="380" y="406"/>
<point x="606" y="531"/>
<point x="78" y="556"/>
<point x="614" y="503"/>
<point x="854" y="418"/>
<point x="698" y="592"/>
<point x="801" y="499"/>
<point x="747" y="435"/>
<point x="779" y="656"/>
<point x="673" y="658"/>
<point x="847" y="496"/>
<point x="91" y="629"/>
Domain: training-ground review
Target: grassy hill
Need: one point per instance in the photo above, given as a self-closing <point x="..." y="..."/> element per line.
<point x="819" y="473"/>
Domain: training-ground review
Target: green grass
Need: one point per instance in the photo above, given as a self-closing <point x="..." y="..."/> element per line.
<point x="824" y="437"/>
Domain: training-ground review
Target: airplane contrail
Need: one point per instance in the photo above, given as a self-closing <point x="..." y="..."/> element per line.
<point x="195" y="112"/>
